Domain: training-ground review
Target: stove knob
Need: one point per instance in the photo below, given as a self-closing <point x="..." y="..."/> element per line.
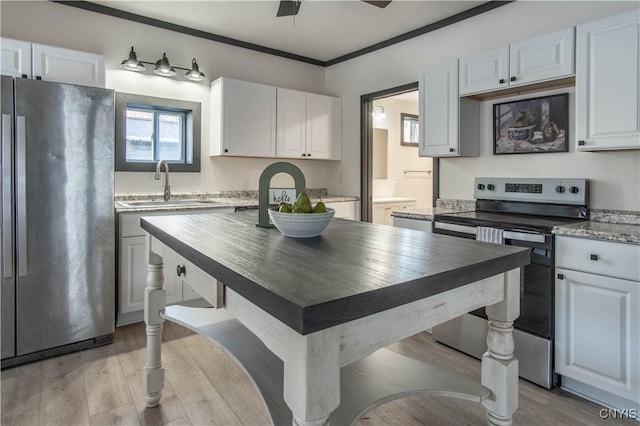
<point x="491" y="187"/>
<point x="560" y="189"/>
<point x="481" y="186"/>
<point x="574" y="190"/>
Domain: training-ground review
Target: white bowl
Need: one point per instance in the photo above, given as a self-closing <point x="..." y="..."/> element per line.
<point x="301" y="225"/>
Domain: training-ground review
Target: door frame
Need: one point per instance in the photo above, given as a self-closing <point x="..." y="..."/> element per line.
<point x="366" y="149"/>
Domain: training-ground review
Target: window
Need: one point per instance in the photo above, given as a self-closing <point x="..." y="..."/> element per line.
<point x="152" y="129"/>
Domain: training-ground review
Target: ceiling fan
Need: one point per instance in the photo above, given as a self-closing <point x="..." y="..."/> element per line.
<point x="291" y="7"/>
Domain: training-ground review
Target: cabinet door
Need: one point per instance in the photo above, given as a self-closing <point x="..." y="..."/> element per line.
<point x="484" y="71"/>
<point x="68" y="66"/>
<point x="16" y="58"/>
<point x="323" y="125"/>
<point x="598" y="331"/>
<point x="607" y="79"/>
<point x="249" y="119"/>
<point x="291" y="131"/>
<point x="439" y="111"/>
<point x="345" y="209"/>
<point x="542" y="58"/>
<point x="133" y="277"/>
<point x="378" y="213"/>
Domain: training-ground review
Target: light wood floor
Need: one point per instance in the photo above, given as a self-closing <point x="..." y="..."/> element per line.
<point x="103" y="386"/>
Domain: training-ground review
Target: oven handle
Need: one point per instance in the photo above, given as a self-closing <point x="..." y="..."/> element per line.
<point x="456" y="228"/>
<point x="508" y="235"/>
<point x="524" y="236"/>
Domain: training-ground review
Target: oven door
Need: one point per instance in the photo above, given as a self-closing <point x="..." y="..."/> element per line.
<point x="536" y="289"/>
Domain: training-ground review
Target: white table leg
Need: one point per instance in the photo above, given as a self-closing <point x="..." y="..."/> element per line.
<point x="312" y="377"/>
<point x="499" y="367"/>
<point x="154" y="303"/>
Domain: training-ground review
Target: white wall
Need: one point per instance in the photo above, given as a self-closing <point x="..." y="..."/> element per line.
<point x="615" y="176"/>
<point x="59" y="25"/>
<point x="400" y="157"/>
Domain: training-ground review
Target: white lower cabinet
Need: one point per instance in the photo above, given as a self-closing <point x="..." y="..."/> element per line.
<point x="132" y="270"/>
<point x="597" y="311"/>
<point x="382" y="210"/>
<point x="133" y="277"/>
<point x="346" y="209"/>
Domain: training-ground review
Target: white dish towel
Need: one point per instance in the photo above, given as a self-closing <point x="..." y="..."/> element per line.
<point x="494" y="235"/>
<point x="490" y="235"/>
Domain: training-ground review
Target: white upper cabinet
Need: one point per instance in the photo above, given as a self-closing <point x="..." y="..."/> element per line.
<point x="324" y="123"/>
<point x="68" y="66"/>
<point x="49" y="63"/>
<point x="308" y="126"/>
<point x="542" y="58"/>
<point x="16" y="58"/>
<point x="243" y="119"/>
<point x="441" y="110"/>
<point x="291" y="130"/>
<point x="607" y="83"/>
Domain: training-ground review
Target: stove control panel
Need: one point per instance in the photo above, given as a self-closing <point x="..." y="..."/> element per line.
<point x="540" y="190"/>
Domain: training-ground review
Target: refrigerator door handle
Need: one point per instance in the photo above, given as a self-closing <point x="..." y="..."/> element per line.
<point x="21" y="140"/>
<point x="7" y="250"/>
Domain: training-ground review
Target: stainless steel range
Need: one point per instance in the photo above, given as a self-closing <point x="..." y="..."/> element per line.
<point x="519" y="212"/>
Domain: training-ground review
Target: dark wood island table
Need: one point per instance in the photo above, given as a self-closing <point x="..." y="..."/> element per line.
<point x="308" y="318"/>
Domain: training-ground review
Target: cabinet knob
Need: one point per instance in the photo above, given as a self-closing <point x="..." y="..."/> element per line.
<point x="594" y="257"/>
<point x="560" y="277"/>
<point x="304" y="155"/>
<point x="181" y="270"/>
<point x="452" y="150"/>
<point x="582" y="143"/>
<point x="502" y="81"/>
<point x="226" y="150"/>
<point x="25" y="76"/>
<point x="308" y="155"/>
<point x="513" y="79"/>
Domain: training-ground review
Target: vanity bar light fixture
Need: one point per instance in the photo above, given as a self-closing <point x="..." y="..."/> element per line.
<point x="162" y="67"/>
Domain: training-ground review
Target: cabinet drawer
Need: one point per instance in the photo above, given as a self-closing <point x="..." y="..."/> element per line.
<point x="198" y="280"/>
<point x="599" y="257"/>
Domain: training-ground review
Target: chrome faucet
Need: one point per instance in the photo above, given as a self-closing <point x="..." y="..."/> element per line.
<point x="167" y="188"/>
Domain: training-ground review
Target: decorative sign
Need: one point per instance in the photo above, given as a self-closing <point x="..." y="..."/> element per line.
<point x="280" y="195"/>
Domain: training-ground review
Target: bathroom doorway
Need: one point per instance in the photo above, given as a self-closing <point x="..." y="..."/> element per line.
<point x="394" y="175"/>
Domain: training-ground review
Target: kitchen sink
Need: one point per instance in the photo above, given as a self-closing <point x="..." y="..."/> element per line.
<point x="170" y="203"/>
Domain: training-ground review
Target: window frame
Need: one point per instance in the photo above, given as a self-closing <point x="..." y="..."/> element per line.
<point x="192" y="112"/>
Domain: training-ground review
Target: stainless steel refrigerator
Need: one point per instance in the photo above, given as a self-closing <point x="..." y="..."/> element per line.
<point x="58" y="249"/>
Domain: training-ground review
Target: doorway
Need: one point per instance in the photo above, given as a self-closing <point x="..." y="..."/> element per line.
<point x="393" y="174"/>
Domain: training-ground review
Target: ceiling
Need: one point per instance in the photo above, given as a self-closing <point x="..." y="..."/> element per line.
<point x="323" y="30"/>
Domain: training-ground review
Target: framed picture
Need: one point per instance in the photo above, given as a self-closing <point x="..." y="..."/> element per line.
<point x="408" y="129"/>
<point x="535" y="125"/>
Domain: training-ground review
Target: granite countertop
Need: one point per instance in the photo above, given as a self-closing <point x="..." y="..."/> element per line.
<point x="378" y="200"/>
<point x="206" y="200"/>
<point x="620" y="232"/>
<point x="426" y="213"/>
<point x="442" y="206"/>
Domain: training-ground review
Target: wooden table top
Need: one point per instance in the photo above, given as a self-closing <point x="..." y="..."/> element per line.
<point x="353" y="269"/>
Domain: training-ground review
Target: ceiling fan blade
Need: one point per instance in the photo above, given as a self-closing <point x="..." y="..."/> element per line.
<point x="380" y="4"/>
<point x="288" y="7"/>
